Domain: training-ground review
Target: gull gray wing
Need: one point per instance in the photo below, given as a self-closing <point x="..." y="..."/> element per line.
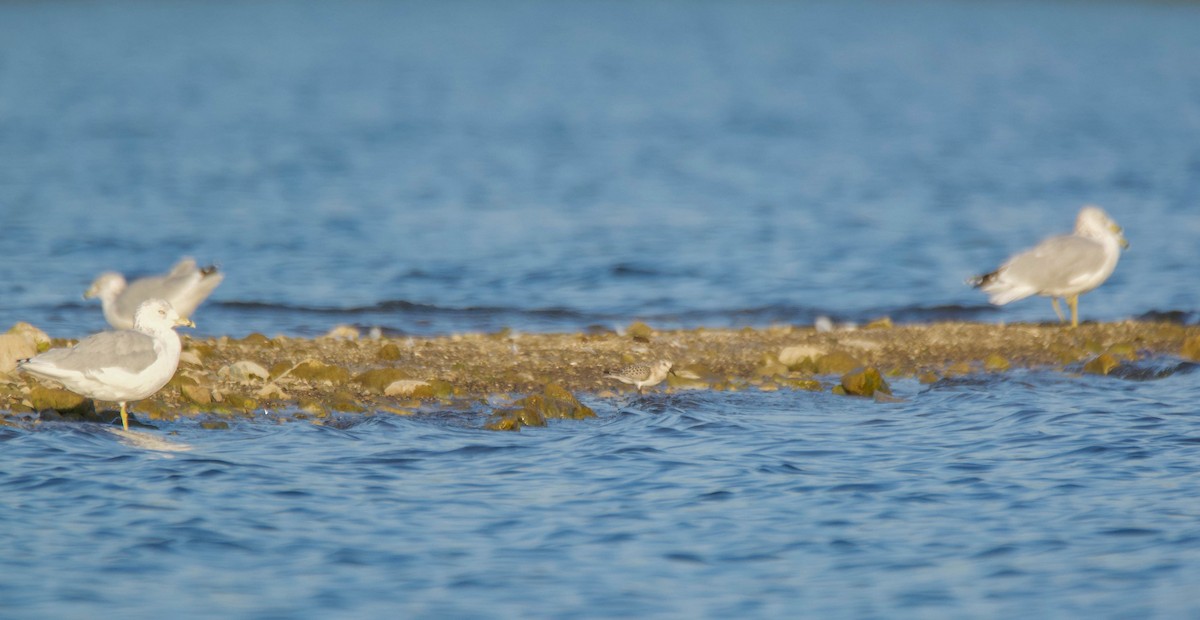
<point x="1056" y="262"/>
<point x="128" y="350"/>
<point x="184" y="267"/>
<point x="170" y="287"/>
<point x="186" y="286"/>
<point x="186" y="302"/>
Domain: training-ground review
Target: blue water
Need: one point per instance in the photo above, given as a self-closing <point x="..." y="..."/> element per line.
<point x="438" y="167"/>
<point x="1036" y="495"/>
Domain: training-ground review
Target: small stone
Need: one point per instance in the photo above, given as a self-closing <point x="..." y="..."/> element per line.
<point x="995" y="362"/>
<point x="686" y="379"/>
<point x="695" y="372"/>
<point x="343" y="332"/>
<point x="836" y="363"/>
<point x="312" y="407"/>
<point x="1101" y="364"/>
<point x="271" y="391"/>
<point x="244" y="371"/>
<point x="1191" y="348"/>
<point x="433" y="389"/>
<point x="388" y="352"/>
<point x="404" y="387"/>
<point x="190" y="358"/>
<point x="881" y="323"/>
<point x="513" y="419"/>
<point x="181" y="379"/>
<point x="1067" y="355"/>
<point x="153" y="409"/>
<point x="378" y="379"/>
<point x="864" y="382"/>
<point x="313" y="370"/>
<point x="959" y="369"/>
<point x="42" y="397"/>
<point x="1123" y="351"/>
<point x="809" y="385"/>
<point x="344" y="402"/>
<point x="196" y="394"/>
<point x="240" y="402"/>
<point x="281" y="368"/>
<point x="39" y="338"/>
<point x="255" y="339"/>
<point x="554" y="402"/>
<point x="203" y="351"/>
<point x="794" y="356"/>
<point x="772" y="368"/>
<point x="928" y="377"/>
<point x="215" y="425"/>
<point x="639" y="331"/>
<point x="14" y="347"/>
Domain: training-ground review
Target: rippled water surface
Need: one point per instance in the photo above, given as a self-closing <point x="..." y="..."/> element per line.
<point x="1036" y="494"/>
<point x="438" y="167"/>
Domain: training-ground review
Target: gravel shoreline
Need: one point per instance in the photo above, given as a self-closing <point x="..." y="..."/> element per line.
<point x="316" y="377"/>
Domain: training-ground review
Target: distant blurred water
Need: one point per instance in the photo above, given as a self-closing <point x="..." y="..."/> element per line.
<point x="437" y="167"/>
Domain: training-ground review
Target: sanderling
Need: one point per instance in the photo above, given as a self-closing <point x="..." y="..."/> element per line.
<point x="643" y="375"/>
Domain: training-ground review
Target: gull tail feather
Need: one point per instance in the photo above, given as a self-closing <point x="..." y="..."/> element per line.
<point x="983" y="280"/>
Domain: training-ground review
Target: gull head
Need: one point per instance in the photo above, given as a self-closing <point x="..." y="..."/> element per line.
<point x="158" y="314"/>
<point x="1093" y="222"/>
<point x="106" y="286"/>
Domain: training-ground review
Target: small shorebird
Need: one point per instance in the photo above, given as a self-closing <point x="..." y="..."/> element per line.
<point x="185" y="287"/>
<point x="643" y="375"/>
<point x="1064" y="266"/>
<point x="118" y="366"/>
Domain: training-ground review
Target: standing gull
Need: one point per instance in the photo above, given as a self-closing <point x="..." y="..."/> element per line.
<point x="643" y="375"/>
<point x="185" y="286"/>
<point x="1064" y="266"/>
<point x="118" y="366"/>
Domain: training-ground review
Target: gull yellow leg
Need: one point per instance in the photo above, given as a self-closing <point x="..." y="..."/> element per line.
<point x="124" y="417"/>
<point x="1073" y="302"/>
<point x="1057" y="309"/>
